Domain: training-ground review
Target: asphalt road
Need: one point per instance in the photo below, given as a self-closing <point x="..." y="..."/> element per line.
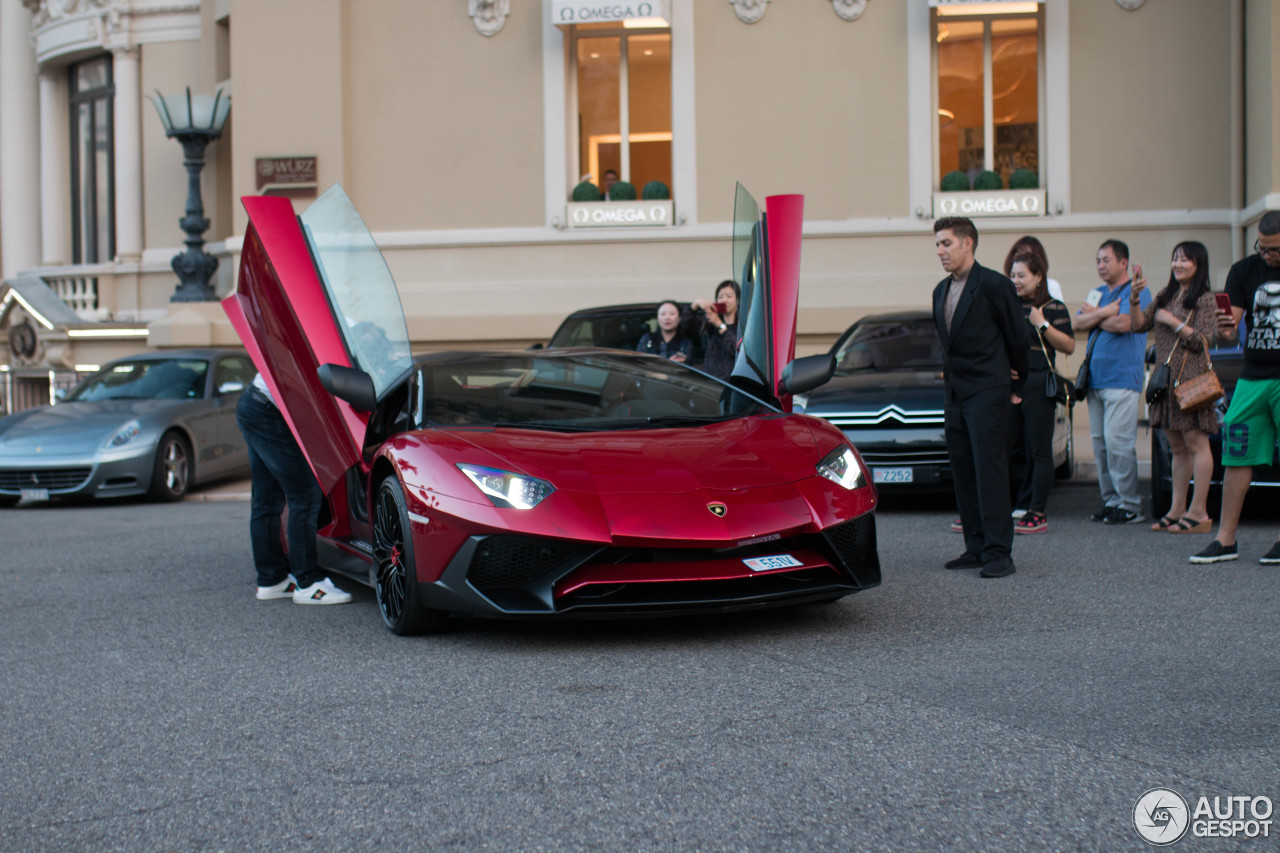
<point x="150" y="703"/>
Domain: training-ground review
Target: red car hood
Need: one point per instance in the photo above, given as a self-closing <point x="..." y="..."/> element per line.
<point x="742" y="453"/>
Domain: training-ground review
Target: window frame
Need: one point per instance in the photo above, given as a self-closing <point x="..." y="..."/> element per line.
<point x="988" y="118"/>
<point x="572" y="36"/>
<point x="104" y="94"/>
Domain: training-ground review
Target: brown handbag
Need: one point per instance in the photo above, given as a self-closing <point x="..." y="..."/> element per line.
<point x="1203" y="390"/>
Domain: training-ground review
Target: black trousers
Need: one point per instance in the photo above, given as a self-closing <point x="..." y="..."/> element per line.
<point x="1036" y="416"/>
<point x="976" y="431"/>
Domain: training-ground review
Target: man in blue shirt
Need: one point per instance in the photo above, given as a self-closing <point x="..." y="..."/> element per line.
<point x="1115" y="380"/>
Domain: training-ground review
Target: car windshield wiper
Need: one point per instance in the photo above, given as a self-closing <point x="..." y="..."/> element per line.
<point x="550" y="426"/>
<point x="665" y="421"/>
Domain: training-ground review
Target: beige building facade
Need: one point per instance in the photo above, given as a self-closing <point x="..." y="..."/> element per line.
<point x="461" y="129"/>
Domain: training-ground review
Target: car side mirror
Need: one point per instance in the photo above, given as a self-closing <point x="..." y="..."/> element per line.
<point x="347" y="383"/>
<point x="59" y="394"/>
<point x="231" y="387"/>
<point x="535" y="347"/>
<point x="805" y="374"/>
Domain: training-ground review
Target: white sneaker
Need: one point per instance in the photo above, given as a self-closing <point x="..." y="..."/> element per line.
<point x="321" y="592"/>
<point x="284" y="589"/>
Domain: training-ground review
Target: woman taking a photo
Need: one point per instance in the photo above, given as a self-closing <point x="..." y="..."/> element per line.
<point x="1183" y="316"/>
<point x="720" y="329"/>
<point x="668" y="341"/>
<point x="1050" y="334"/>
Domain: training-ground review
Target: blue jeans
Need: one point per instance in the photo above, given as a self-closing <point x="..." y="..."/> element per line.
<point x="280" y="475"/>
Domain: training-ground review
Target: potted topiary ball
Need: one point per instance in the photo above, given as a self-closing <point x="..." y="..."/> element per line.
<point x="955" y="182"/>
<point x="623" y="191"/>
<point x="988" y="180"/>
<point x="1024" y="179"/>
<point x="655" y="191"/>
<point x="586" y="191"/>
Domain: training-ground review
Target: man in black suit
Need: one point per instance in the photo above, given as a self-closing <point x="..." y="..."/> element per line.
<point x="985" y="345"/>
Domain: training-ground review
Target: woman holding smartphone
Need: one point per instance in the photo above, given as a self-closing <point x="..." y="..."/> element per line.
<point x="1050" y="334"/>
<point x="1183" y="316"/>
<point x="720" y="329"/>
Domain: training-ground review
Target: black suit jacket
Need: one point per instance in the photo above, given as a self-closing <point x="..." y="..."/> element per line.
<point x="988" y="334"/>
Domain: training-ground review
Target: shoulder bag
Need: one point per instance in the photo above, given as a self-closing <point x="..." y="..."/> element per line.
<point x="1158" y="384"/>
<point x="1082" y="378"/>
<point x="1204" y="390"/>
<point x="1053" y="389"/>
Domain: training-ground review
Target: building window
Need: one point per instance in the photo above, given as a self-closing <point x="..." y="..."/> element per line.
<point x="92" y="162"/>
<point x="623" y="91"/>
<point x="989" y="82"/>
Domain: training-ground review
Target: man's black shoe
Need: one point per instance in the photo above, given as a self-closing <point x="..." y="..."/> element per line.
<point x="964" y="561"/>
<point x="1102" y="514"/>
<point x="1001" y="567"/>
<point x="1216" y="552"/>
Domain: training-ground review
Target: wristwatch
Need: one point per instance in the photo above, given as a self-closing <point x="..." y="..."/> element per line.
<point x="723" y="327"/>
<point x="1044" y="327"/>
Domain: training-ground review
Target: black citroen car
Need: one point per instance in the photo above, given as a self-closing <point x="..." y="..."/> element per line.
<point x="887" y="397"/>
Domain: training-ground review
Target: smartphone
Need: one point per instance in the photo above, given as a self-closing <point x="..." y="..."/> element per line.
<point x="1137" y="271"/>
<point x="1095" y="296"/>
<point x="1224" y="302"/>
<point x="720" y="307"/>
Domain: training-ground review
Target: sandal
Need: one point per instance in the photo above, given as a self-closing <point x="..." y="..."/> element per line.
<point x="1187" y="525"/>
<point x="1163" y="524"/>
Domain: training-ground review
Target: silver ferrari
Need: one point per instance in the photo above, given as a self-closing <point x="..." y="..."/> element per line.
<point x="153" y="424"/>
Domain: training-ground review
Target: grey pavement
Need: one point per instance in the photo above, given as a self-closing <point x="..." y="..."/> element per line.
<point x="150" y="703"/>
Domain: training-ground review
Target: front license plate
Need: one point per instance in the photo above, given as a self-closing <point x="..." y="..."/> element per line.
<point x="763" y="564"/>
<point x="33" y="494"/>
<point x="891" y="475"/>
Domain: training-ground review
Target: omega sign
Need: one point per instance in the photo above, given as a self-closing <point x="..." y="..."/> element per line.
<point x="994" y="203"/>
<point x="587" y="11"/>
<point x="605" y="214"/>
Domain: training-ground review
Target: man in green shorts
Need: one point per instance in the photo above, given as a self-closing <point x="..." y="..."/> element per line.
<point x="1249" y="432"/>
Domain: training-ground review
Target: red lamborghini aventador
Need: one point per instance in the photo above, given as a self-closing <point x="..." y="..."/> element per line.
<point x="562" y="483"/>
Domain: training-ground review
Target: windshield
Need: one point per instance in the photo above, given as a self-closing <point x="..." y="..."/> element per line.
<point x="615" y="331"/>
<point x="587" y="392"/>
<point x="881" y="345"/>
<point x="153" y="379"/>
<point x="360" y="288"/>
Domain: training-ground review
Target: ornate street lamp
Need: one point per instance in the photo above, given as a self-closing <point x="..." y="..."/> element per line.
<point x="195" y="120"/>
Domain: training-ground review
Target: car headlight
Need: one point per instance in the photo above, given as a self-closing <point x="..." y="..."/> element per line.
<point x="841" y="466"/>
<point x="506" y="489"/>
<point x="124" y="435"/>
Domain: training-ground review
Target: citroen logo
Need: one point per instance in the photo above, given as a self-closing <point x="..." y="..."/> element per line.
<point x="717" y="509"/>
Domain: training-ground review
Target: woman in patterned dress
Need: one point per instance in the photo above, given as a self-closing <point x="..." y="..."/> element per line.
<point x="1182" y="315"/>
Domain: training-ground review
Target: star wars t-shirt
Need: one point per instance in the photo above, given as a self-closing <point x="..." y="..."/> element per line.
<point x="1255" y="287"/>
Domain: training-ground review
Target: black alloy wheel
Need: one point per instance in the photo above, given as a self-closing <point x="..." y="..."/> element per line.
<point x="396" y="586"/>
<point x="171" y="473"/>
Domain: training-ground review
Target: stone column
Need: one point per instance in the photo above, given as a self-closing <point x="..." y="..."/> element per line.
<point x="19" y="143"/>
<point x="55" y="166"/>
<point x="128" y="151"/>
